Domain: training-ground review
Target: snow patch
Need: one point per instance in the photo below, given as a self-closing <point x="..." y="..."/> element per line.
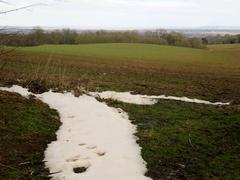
<point x="17" y="89"/>
<point x="93" y="137"/>
<point x="127" y="97"/>
<point x="96" y="141"/>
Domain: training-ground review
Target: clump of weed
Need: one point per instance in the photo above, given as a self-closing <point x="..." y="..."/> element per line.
<point x="37" y="86"/>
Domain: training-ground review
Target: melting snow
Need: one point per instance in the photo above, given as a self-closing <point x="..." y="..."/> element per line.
<point x="95" y="136"/>
<point x="17" y="89"/>
<point x="92" y="135"/>
<point x="127" y="97"/>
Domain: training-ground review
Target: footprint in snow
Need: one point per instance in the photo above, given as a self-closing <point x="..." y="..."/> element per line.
<point x="91" y="147"/>
<point x="100" y="152"/>
<point x="81" y="167"/>
<point x="96" y="151"/>
<point x="71" y="117"/>
<point x="82" y="144"/>
<point x="74" y="158"/>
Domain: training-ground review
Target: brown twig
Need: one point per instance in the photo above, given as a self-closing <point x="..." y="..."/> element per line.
<point x="21" y="8"/>
<point x="189" y="139"/>
<point x="3" y="165"/>
<point x="4" y="2"/>
<point x="24" y="163"/>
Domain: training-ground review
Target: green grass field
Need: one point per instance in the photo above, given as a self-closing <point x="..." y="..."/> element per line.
<point x="117" y="51"/>
<point x="179" y="140"/>
<point x="215" y="55"/>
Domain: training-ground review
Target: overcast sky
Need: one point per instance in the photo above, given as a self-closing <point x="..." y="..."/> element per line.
<point x="123" y="14"/>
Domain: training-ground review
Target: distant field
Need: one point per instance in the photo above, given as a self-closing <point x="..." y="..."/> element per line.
<point x="116" y="51"/>
<point x="223" y="54"/>
<point x="212" y="73"/>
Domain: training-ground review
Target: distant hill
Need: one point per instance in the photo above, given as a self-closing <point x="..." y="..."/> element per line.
<point x="193" y="32"/>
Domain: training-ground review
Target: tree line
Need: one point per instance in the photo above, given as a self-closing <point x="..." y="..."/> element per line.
<point x="222" y="39"/>
<point x="39" y="36"/>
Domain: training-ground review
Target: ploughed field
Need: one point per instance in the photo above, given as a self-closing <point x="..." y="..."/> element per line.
<point x="212" y="74"/>
<point x="180" y="140"/>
